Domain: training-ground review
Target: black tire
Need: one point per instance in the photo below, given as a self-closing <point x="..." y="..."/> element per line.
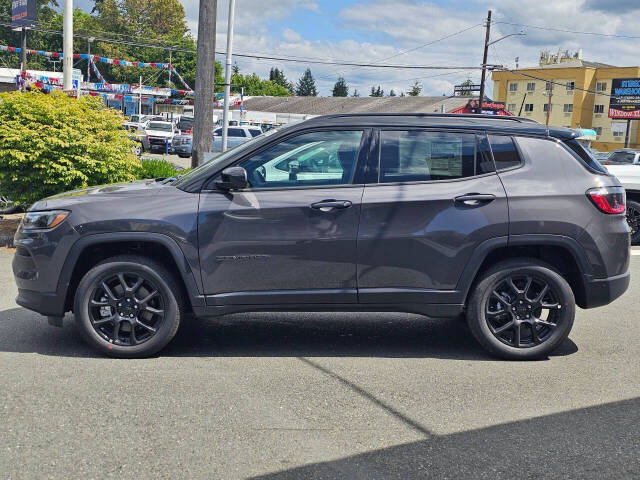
<point x="633" y="219"/>
<point x="147" y="322"/>
<point x="182" y="155"/>
<point x="496" y="316"/>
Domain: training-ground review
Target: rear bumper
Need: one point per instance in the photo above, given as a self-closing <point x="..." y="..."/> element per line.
<point x="602" y="291"/>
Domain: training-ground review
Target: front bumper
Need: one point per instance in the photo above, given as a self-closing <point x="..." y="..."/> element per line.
<point x="49" y="304"/>
<point x="602" y="291"/>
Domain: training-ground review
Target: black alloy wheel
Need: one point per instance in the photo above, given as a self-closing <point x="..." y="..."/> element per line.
<point x="521" y="309"/>
<point x="633" y="219"/>
<point x="126" y="308"/>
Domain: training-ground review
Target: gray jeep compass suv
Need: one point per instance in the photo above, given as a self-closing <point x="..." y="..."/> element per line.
<point x="503" y="220"/>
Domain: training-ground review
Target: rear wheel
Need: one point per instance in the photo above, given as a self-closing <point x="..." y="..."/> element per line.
<point x="521" y="309"/>
<point x="128" y="306"/>
<point x="633" y="219"/>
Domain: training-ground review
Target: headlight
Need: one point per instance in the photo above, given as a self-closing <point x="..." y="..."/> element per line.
<point x="40" y="220"/>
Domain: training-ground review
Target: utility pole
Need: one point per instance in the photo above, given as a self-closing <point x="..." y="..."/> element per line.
<point x="484" y="62"/>
<point x="89" y="40"/>
<point x="205" y="75"/>
<point x="170" y="65"/>
<point x="23" y="55"/>
<point x="626" y="135"/>
<point x="67" y="46"/>
<point x="522" y="104"/>
<point x="140" y="98"/>
<point x="227" y="75"/>
<point x="549" y="102"/>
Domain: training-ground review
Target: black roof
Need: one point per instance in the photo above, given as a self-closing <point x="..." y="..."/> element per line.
<point x="446" y="120"/>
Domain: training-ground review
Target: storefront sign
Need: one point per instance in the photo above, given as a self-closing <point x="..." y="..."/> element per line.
<point x="625" y="98"/>
<point x="24" y="13"/>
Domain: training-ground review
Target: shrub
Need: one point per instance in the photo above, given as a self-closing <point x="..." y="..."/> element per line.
<point x="156" y="168"/>
<point x="51" y="143"/>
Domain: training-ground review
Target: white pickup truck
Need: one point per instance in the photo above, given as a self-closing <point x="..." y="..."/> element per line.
<point x="629" y="176"/>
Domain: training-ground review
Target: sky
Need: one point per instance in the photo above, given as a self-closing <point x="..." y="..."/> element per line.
<point x="411" y="32"/>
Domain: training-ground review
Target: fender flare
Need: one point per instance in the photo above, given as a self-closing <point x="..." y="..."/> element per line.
<point x="195" y="297"/>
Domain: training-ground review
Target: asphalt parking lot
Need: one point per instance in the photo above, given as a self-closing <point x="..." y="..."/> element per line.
<point x="283" y="396"/>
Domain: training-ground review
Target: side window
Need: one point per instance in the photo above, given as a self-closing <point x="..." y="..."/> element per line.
<point x="235" y="132"/>
<point x="410" y="156"/>
<point x="311" y="159"/>
<point x="505" y="153"/>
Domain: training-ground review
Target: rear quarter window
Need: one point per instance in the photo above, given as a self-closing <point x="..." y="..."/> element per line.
<point x="505" y="153"/>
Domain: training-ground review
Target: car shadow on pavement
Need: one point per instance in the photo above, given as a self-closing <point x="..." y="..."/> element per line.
<point x="595" y="442"/>
<point x="393" y="335"/>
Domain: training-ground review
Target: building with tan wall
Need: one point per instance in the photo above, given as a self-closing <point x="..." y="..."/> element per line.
<point x="580" y="93"/>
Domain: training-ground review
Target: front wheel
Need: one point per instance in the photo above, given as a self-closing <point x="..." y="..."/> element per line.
<point x="128" y="306"/>
<point x="633" y="219"/>
<point x="521" y="310"/>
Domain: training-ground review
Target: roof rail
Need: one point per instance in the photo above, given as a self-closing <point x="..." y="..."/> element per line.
<point x="433" y="115"/>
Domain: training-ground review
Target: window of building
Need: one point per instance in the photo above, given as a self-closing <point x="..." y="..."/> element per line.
<point x="511" y="107"/>
<point x="618" y="133"/>
<point x="504" y="151"/>
<point x="567" y="108"/>
<point x="545" y="108"/>
<point x="570" y="86"/>
<point x="528" y="107"/>
<point x="598" y="109"/>
<point x="531" y="87"/>
<point x="413" y="156"/>
<point x="547" y="87"/>
<point x="310" y="159"/>
<point x="598" y="131"/>
<point x="601" y="86"/>
<point x="513" y="87"/>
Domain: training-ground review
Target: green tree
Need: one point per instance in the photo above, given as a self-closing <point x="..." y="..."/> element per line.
<point x="341" y="89"/>
<point x="376" y="92"/>
<point x="254" y="85"/>
<point x="277" y="76"/>
<point x="415" y="89"/>
<point x="355" y="93"/>
<point x="466" y="83"/>
<point x="306" y="85"/>
<point x="392" y="93"/>
<point x="54" y="143"/>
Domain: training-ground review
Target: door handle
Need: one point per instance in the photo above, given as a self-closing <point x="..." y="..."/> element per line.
<point x="327" y="205"/>
<point x="475" y="198"/>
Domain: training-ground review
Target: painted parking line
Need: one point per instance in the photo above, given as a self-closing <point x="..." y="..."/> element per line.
<point x="635" y="251"/>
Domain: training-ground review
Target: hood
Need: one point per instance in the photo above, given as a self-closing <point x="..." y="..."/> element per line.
<point x="628" y="175"/>
<point x="99" y="193"/>
<point x="159" y="133"/>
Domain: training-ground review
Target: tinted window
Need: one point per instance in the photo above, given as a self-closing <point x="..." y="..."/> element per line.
<point x="160" y="126"/>
<point x="319" y="158"/>
<point x="255" y="133"/>
<point x="622" y="157"/>
<point x="505" y="153"/>
<point x="409" y="156"/>
<point x="585" y="155"/>
<point x="235" y="132"/>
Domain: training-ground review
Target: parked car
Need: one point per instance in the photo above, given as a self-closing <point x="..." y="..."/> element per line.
<point x="629" y="177"/>
<point x="185" y="125"/>
<point x="236" y="135"/>
<point x="142" y="144"/>
<point x="136" y="122"/>
<point x="440" y="215"/>
<point x="161" y="135"/>
<point x="626" y="156"/>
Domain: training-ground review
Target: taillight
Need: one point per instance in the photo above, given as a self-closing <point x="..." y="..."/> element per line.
<point x="609" y="200"/>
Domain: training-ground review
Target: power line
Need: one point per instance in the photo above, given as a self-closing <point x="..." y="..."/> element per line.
<point x="575" y="32"/>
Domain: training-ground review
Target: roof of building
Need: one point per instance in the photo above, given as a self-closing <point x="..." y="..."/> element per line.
<point x="573" y="63"/>
<point x="335" y="105"/>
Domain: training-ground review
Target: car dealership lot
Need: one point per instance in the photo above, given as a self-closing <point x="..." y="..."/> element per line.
<point x="320" y="396"/>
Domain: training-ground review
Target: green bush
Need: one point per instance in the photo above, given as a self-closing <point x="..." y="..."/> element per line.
<point x="157" y="168"/>
<point x="51" y="143"/>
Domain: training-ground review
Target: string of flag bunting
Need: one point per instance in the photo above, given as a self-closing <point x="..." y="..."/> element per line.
<point x="111" y="61"/>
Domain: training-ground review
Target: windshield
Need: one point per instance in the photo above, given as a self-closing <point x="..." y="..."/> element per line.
<point x="161" y="126"/>
<point x="622" y="158"/>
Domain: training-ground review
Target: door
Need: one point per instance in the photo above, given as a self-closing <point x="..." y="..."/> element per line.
<point x="437" y="200"/>
<point x="291" y="236"/>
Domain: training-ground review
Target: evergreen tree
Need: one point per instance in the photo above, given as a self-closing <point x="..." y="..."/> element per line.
<point x="277" y="76"/>
<point x="376" y="92"/>
<point x="415" y="90"/>
<point x="355" y="94"/>
<point x="306" y="85"/>
<point x="392" y="93"/>
<point x="341" y="89"/>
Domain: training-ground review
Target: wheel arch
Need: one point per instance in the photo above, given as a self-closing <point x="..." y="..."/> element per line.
<point x="564" y="254"/>
<point x="90" y="250"/>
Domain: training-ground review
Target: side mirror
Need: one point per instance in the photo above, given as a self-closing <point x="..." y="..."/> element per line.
<point x="232" y="178"/>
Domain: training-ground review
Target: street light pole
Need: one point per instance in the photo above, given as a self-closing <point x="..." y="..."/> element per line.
<point x="67" y="46"/>
<point x="484" y="62"/>
<point x="227" y="75"/>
